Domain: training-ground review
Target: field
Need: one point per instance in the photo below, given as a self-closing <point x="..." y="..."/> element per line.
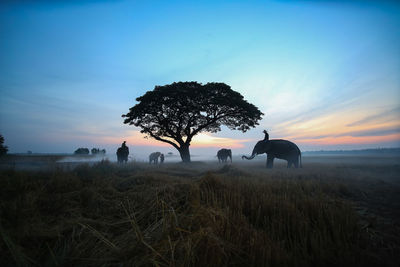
<point x="335" y="211"/>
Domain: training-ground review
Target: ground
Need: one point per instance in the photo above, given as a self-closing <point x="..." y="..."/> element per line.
<point x="335" y="211"/>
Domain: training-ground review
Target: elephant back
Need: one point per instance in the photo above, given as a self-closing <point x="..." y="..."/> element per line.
<point x="284" y="146"/>
<point x="123" y="151"/>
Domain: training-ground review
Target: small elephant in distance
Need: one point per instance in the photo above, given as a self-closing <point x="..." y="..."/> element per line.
<point x="277" y="148"/>
<point x="153" y="157"/>
<point x="223" y="155"/>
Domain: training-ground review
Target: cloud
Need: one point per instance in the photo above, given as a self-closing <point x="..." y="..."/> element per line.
<point x="394" y="138"/>
<point x="387" y="115"/>
<point x="348" y="2"/>
<point x="340" y="132"/>
<point x="373" y="132"/>
<point x="56" y="2"/>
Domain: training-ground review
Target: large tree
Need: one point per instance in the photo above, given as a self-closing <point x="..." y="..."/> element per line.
<point x="176" y="112"/>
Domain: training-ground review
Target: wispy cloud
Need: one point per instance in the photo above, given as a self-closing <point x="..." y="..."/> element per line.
<point x="349" y="140"/>
<point x="374" y="132"/>
<point x="56" y="2"/>
<point x="385" y="116"/>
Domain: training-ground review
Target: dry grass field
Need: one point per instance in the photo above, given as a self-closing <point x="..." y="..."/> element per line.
<point x="332" y="212"/>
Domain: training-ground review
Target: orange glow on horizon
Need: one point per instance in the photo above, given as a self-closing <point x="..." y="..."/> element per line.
<point x="202" y="140"/>
<point x="206" y="140"/>
<point x="339" y="129"/>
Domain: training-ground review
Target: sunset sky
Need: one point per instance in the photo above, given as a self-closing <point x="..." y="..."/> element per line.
<point x="326" y="74"/>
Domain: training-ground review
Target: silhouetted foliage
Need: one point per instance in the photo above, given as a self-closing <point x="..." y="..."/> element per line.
<point x="82" y="151"/>
<point x="175" y="113"/>
<point x="3" y="148"/>
<point x="98" y="151"/>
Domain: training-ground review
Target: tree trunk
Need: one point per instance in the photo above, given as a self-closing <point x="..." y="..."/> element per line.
<point x="185" y="154"/>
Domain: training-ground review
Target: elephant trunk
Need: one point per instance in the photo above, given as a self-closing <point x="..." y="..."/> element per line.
<point x="251" y="157"/>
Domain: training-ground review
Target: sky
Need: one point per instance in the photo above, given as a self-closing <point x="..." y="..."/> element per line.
<point x="324" y="73"/>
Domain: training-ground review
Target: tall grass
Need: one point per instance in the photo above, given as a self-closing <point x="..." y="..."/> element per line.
<point x="181" y="215"/>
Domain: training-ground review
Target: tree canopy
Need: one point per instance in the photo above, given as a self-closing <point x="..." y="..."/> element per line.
<point x="82" y="151"/>
<point x="176" y="112"/>
<point x="3" y="148"/>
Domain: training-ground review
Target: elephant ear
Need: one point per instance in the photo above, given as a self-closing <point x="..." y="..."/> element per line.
<point x="265" y="145"/>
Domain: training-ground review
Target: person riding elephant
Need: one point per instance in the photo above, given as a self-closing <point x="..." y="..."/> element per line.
<point x="122" y="153"/>
<point x="277" y="148"/>
<point x="266" y="137"/>
<point x="153" y="157"/>
<point x="223" y="155"/>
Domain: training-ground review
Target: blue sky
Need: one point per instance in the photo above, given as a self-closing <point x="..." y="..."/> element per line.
<point x="325" y="73"/>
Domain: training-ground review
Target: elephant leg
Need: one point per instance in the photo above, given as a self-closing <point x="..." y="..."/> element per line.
<point x="296" y="163"/>
<point x="270" y="162"/>
<point x="289" y="164"/>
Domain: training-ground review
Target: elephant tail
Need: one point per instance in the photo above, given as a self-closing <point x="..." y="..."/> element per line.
<point x="301" y="165"/>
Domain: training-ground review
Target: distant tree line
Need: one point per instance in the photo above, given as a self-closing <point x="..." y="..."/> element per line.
<point x="85" y="151"/>
<point x="82" y="151"/>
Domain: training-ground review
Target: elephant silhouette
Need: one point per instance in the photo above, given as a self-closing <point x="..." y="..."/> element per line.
<point x="277" y="148"/>
<point x="153" y="157"/>
<point x="122" y="153"/>
<point x="223" y="155"/>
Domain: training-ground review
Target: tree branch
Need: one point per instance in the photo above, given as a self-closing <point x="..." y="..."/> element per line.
<point x="162" y="139"/>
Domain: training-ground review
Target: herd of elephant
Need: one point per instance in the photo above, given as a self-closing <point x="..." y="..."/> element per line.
<point x="123" y="152"/>
<point x="275" y="148"/>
